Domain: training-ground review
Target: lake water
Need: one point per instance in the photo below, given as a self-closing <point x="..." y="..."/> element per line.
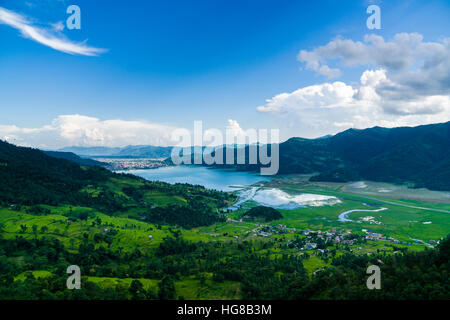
<point x="219" y="179"/>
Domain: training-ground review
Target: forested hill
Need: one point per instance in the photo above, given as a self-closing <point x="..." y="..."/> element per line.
<point x="416" y="155"/>
<point x="30" y="176"/>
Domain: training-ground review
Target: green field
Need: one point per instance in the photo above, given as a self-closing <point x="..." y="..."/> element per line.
<point x="190" y="289"/>
<point x="398" y="221"/>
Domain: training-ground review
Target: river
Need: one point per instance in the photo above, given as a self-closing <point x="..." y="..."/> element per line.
<point x="343" y="216"/>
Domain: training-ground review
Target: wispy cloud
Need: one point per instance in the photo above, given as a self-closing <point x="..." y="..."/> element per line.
<point x="44" y="36"/>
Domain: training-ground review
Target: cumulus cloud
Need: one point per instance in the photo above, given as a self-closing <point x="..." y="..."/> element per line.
<point x="397" y="54"/>
<point x="327" y="95"/>
<point x="331" y="107"/>
<point x="79" y="130"/>
<point x="241" y="136"/>
<point x="234" y="126"/>
<point x="409" y="84"/>
<point x="48" y="37"/>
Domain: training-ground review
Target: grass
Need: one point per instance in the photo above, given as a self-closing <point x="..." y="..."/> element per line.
<point x="313" y="263"/>
<point x="107" y="282"/>
<point x="188" y="288"/>
<point x="161" y="199"/>
<point x="36" y="273"/>
<point x="400" y="222"/>
<point x="131" y="233"/>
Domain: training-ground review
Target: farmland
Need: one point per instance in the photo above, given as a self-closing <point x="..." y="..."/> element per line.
<point x="125" y="254"/>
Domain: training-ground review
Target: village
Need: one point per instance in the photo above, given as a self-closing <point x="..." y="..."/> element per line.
<point x="118" y="164"/>
<point x="318" y="240"/>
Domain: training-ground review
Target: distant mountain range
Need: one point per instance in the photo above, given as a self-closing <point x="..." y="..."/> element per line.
<point x="73" y="157"/>
<point x="418" y="156"/>
<point x="31" y="176"/>
<point x="124" y="152"/>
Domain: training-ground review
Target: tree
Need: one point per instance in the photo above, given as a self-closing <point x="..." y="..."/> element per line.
<point x="166" y="289"/>
<point x="137" y="290"/>
<point x="23" y="228"/>
<point x="444" y="250"/>
<point x="35" y="229"/>
<point x="98" y="221"/>
<point x="83" y="215"/>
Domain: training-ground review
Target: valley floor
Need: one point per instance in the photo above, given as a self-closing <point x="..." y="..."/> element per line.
<point x="316" y="235"/>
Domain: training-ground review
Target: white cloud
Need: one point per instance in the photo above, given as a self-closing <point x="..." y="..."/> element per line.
<point x="234" y="126"/>
<point x="58" y="26"/>
<point x="242" y="136"/>
<point x="332" y="107"/>
<point x="79" y="130"/>
<point x="327" y="95"/>
<point x="410" y="85"/>
<point x="417" y="67"/>
<point x="400" y="53"/>
<point x="49" y="37"/>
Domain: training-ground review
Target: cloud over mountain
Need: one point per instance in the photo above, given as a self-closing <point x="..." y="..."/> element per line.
<point x="79" y="130"/>
<point x="51" y="37"/>
<point x="407" y="83"/>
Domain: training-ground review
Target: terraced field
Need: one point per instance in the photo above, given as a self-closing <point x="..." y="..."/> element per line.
<point x="413" y="222"/>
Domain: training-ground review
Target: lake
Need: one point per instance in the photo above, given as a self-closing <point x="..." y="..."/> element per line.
<point x="218" y="179"/>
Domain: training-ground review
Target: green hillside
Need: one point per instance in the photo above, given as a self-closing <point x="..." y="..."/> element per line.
<point x="418" y="156"/>
<point x="74" y="158"/>
<point x="135" y="239"/>
<point x="32" y="178"/>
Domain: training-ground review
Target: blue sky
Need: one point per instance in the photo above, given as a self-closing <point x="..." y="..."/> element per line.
<point x="168" y="63"/>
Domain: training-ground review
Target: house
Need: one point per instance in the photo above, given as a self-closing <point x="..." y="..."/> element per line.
<point x="310" y="246"/>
